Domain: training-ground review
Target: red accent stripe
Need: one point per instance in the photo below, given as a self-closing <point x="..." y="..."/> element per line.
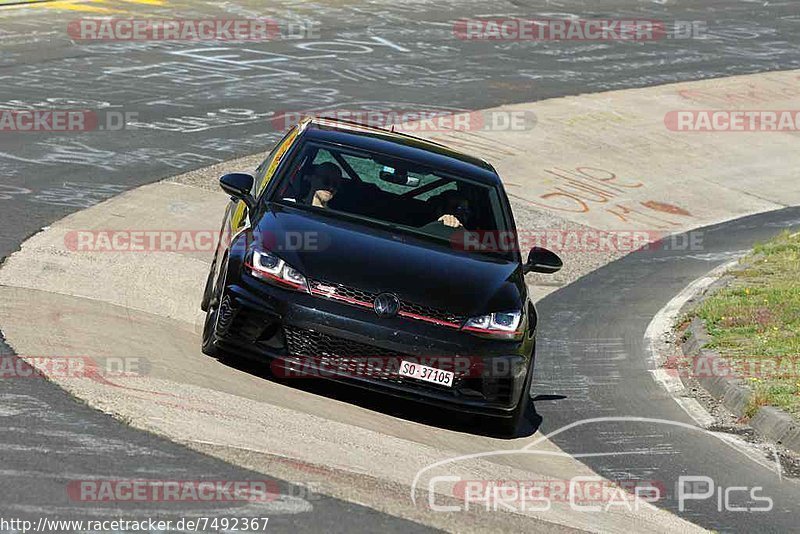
<point x="277" y="278"/>
<point x="369" y="305"/>
<point x="341" y="297"/>
<point x="429" y="319"/>
<point x="493" y="332"/>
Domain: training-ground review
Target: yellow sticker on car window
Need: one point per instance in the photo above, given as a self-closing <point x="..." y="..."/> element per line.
<point x="276" y="159"/>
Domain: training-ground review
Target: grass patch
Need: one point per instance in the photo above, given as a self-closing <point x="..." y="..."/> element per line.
<point x="755" y="323"/>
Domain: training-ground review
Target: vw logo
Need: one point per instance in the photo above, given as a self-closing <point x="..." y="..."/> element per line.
<point x="386" y="305"/>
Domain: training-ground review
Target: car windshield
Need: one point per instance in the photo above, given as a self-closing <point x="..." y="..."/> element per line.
<point x="401" y="194"/>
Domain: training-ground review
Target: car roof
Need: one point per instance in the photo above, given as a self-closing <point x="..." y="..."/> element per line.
<point x="400" y="145"/>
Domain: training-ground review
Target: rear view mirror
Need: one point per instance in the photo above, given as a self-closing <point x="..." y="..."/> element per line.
<point x="541" y="260"/>
<point x="398" y="176"/>
<point x="238" y="185"/>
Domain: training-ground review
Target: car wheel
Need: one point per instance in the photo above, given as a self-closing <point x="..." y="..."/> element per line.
<point x="209" y="287"/>
<point x="509" y="426"/>
<point x="215" y="301"/>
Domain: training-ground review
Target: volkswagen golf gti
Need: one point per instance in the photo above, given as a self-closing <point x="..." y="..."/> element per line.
<point x="382" y="260"/>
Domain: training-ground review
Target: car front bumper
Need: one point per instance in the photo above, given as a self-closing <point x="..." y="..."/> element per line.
<point x="311" y="336"/>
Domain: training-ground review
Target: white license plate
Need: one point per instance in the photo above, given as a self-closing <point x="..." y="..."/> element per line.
<point x="428" y="374"/>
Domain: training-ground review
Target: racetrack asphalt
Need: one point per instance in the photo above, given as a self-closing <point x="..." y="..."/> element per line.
<point x="193" y="110"/>
<point x="593" y="364"/>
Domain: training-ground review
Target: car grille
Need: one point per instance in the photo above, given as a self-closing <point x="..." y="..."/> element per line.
<point x="340" y="290"/>
<point x="351" y="358"/>
<point x="364" y="298"/>
<point x="433" y="313"/>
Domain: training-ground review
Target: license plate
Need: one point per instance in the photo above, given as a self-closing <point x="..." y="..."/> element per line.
<point x="428" y="374"/>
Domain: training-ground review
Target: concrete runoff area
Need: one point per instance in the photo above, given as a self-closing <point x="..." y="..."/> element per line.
<point x="602" y="162"/>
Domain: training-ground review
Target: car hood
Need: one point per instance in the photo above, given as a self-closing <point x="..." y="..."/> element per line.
<point x="373" y="259"/>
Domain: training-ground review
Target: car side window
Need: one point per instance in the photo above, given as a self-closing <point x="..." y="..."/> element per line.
<point x="263" y="175"/>
<point x="266" y="170"/>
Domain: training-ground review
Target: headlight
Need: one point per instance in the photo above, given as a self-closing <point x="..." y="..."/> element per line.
<point x="499" y="324"/>
<point x="268" y="266"/>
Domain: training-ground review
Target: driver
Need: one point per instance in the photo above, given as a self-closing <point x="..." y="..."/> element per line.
<point x="325" y="180"/>
<point x="452" y="209"/>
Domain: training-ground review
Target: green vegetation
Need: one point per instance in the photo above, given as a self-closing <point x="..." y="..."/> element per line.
<point x="755" y="323"/>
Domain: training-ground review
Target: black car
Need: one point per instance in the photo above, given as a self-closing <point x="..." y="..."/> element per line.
<point x="381" y="260"/>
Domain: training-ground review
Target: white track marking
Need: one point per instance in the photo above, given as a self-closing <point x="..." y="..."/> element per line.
<point x="657" y="344"/>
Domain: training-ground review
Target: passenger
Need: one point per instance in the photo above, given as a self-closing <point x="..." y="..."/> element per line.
<point x="325" y="181"/>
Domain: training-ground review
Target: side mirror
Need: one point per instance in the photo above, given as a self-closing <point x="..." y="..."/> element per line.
<point x="541" y="260"/>
<point x="238" y="185"/>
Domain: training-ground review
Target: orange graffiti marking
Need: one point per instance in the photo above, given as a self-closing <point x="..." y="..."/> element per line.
<point x="666" y="208"/>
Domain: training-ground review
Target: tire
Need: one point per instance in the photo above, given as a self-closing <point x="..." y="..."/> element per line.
<point x="209" y="347"/>
<point x="509" y="426"/>
<point x="209" y="287"/>
<point x="212" y="307"/>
